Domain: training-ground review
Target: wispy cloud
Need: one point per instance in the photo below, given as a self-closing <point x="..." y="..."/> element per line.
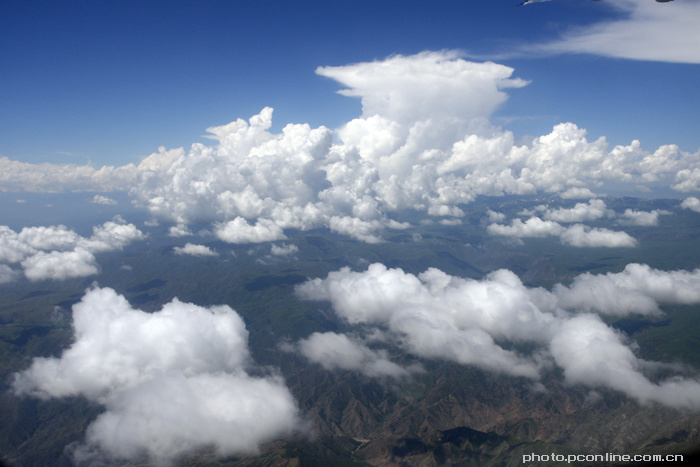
<point x="642" y="30"/>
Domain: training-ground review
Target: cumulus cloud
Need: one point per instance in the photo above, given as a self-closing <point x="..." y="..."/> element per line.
<point x="55" y="237"/>
<point x="60" y="265"/>
<point x="12" y="250"/>
<point x="461" y="328"/>
<point x="451" y="87"/>
<point x="179" y="230"/>
<point x="533" y="227"/>
<point x="240" y="231"/>
<point x="495" y="217"/>
<point x="691" y="203"/>
<point x="643" y="218"/>
<point x="687" y="180"/>
<point x="112" y="236"/>
<point x="333" y="351"/>
<point x="637" y="289"/>
<point x="481" y="322"/>
<point x="57" y="253"/>
<point x="100" y="199"/>
<point x="6" y="274"/>
<point x="645" y="31"/>
<point x="577" y="235"/>
<point x="580" y="235"/>
<point x="582" y="212"/>
<point x="22" y="177"/>
<point x="283" y="250"/>
<point x="423" y="143"/>
<point x="593" y="354"/>
<point x="194" y="250"/>
<point x="578" y="193"/>
<point x="171" y="381"/>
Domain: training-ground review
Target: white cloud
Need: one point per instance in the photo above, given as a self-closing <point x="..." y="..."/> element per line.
<point x="450" y="87"/>
<point x="12" y="250"/>
<point x="457" y="326"/>
<point x="422" y="143"/>
<point x="111" y="236"/>
<point x="240" y="231"/>
<point x="55" y="237"/>
<point x="578" y="193"/>
<point x="356" y="228"/>
<point x="533" y="227"/>
<point x="195" y="250"/>
<point x="434" y="315"/>
<point x="179" y="230"/>
<point x="580" y="235"/>
<point x="60" y="265"/>
<point x="593" y="210"/>
<point x="171" y="381"/>
<point x="100" y="199"/>
<point x="646" y="31"/>
<point x="637" y="289"/>
<point x="6" y="274"/>
<point x="593" y="354"/>
<point x="577" y="235"/>
<point x="495" y="217"/>
<point x="691" y="203"/>
<point x="283" y="250"/>
<point x="22" y="177"/>
<point x="687" y="180"/>
<point x="643" y="218"/>
<point x="55" y="252"/>
<point x="332" y="351"/>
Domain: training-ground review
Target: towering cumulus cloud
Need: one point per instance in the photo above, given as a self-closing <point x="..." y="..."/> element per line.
<point x="424" y="142"/>
<point x="434" y="315"/>
<point x="171" y="381"/>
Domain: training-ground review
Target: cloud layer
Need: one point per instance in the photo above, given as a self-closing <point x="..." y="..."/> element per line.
<point x="55" y="252"/>
<point x="423" y="143"/>
<point x="484" y="323"/>
<point x="171" y="381"/>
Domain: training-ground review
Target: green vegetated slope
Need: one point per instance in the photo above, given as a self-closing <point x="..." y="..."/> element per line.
<point x="448" y="414"/>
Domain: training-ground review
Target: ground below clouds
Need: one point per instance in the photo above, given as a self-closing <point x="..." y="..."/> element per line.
<point x="445" y="413"/>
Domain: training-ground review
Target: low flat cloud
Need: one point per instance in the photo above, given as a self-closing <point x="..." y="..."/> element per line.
<point x="171" y="382"/>
<point x="437" y="316"/>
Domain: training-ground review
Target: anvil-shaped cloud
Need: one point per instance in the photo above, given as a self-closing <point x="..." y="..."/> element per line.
<point x="423" y="142"/>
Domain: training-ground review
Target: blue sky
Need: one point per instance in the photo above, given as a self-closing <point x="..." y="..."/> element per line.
<point x="109" y="82"/>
